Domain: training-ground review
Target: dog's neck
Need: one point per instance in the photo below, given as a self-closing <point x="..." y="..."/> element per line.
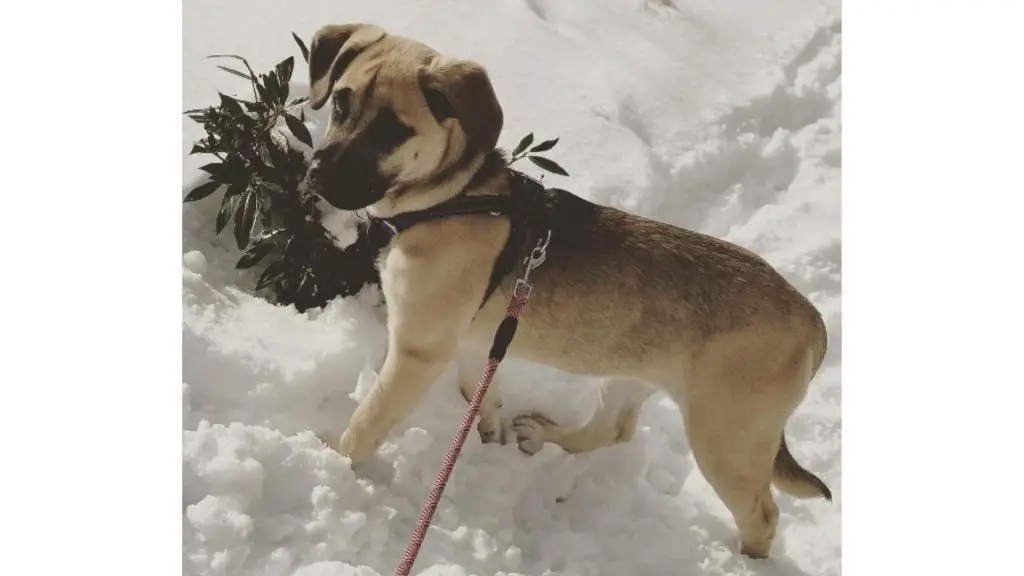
<point x="476" y="174"/>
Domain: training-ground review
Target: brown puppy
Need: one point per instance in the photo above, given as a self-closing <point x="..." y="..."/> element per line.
<point x="643" y="304"/>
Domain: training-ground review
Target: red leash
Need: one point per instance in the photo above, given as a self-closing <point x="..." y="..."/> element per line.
<point x="502" y="338"/>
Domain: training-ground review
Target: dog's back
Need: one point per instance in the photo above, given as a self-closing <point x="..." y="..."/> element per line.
<point x="643" y="291"/>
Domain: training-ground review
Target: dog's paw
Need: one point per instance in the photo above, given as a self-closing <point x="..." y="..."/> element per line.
<point x="351" y="445"/>
<point x="532" y="431"/>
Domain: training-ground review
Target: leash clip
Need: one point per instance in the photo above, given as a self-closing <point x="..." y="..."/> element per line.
<point x="537" y="257"/>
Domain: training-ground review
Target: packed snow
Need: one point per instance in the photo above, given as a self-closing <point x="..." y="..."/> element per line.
<point x="719" y="116"/>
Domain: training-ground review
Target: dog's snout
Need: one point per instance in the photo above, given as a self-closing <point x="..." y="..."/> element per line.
<point x="346" y="177"/>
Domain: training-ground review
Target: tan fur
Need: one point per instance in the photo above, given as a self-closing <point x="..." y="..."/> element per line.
<point x="646" y="305"/>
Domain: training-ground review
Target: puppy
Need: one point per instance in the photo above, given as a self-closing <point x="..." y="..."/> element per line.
<point x="644" y="305"/>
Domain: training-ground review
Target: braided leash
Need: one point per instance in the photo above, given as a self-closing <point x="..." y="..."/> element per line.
<point x="502" y="339"/>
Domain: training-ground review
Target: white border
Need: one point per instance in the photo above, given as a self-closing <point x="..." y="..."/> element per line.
<point x="91" y="288"/>
<point x="932" y="210"/>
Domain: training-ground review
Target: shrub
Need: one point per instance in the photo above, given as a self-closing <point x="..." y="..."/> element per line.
<point x="275" y="224"/>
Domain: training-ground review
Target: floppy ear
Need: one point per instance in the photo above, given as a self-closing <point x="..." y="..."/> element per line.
<point x="461" y="89"/>
<point x="332" y="50"/>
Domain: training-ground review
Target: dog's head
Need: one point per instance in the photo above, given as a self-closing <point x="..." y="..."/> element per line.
<point x="401" y="115"/>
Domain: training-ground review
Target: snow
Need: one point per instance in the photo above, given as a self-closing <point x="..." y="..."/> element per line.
<point x="716" y="116"/>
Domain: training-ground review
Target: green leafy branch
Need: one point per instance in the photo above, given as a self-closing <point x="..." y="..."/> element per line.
<point x="260" y="173"/>
<point x="523" y="150"/>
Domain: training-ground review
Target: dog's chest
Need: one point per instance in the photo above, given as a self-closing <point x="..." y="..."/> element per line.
<point x="402" y="276"/>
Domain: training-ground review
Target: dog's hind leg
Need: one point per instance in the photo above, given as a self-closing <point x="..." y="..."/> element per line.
<point x="614" y="420"/>
<point x="471" y="363"/>
<point x="735" y="407"/>
<point x="734" y="414"/>
<point x="738" y="463"/>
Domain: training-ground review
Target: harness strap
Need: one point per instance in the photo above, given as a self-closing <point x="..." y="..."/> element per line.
<point x="527" y="210"/>
<point x="461" y="205"/>
<point x="525" y="207"/>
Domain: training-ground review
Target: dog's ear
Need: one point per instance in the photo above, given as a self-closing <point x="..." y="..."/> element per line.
<point x="332" y="50"/>
<point x="462" y="90"/>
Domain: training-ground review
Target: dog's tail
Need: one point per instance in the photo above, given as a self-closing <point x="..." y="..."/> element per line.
<point x="793" y="479"/>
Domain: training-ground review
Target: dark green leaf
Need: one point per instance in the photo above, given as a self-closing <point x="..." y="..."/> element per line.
<point x="298" y="129"/>
<point x="265" y="172"/>
<point x="273" y="187"/>
<point x="266" y="217"/>
<point x="273" y="89"/>
<point x="548" y="165"/>
<point x="235" y="56"/>
<point x="202" y="191"/>
<point x="273" y="273"/>
<point x="247" y="125"/>
<point x="235" y="189"/>
<point x="302" y="47"/>
<point x="288" y="253"/>
<point x="298" y="101"/>
<point x="257" y="107"/>
<point x="235" y="72"/>
<point x="245" y="218"/>
<point x="213" y="168"/>
<point x="267" y="236"/>
<point x="526" y="141"/>
<point x="544" y="146"/>
<point x="253" y="255"/>
<point x="280" y="161"/>
<point x="284" y="69"/>
<point x="199" y="148"/>
<point x="199" y="115"/>
<point x="227" y="208"/>
<point x="231" y="105"/>
<point x="244" y="61"/>
<point x="230" y="172"/>
<point x="305" y="286"/>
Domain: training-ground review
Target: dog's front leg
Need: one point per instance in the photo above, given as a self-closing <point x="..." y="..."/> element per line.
<point x="407" y="374"/>
<point x="433" y="292"/>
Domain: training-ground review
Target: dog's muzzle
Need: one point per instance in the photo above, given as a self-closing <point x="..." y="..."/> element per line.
<point x="344" y="184"/>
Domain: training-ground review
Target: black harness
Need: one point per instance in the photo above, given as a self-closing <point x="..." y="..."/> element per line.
<point x="526" y="206"/>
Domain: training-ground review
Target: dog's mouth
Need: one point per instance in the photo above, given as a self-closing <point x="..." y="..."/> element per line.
<point x="351" y="199"/>
<point x="346" y="189"/>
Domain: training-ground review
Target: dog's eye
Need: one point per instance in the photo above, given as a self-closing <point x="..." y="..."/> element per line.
<point x="341" y="104"/>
